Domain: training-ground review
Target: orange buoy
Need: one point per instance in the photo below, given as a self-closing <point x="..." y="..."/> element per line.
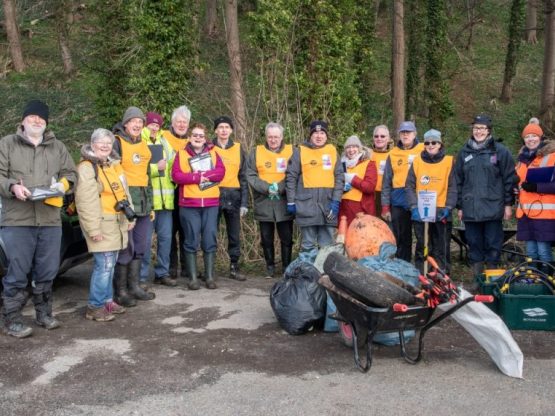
<point x="365" y="235"/>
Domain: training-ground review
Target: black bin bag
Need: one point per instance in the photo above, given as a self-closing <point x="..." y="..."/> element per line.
<point x="298" y="301"/>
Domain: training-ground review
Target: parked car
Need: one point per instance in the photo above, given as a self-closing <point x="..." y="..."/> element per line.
<point x="73" y="248"/>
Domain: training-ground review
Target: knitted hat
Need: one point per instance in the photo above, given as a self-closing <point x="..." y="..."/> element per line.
<point x="223" y="119"/>
<point x="406" y="126"/>
<point x="318" y="125"/>
<point x="483" y="119"/>
<point x="432" y="135"/>
<point x="353" y="141"/>
<point x="36" y="108"/>
<point x="152" y="117"/>
<point x="132" y="112"/>
<point x="532" y="129"/>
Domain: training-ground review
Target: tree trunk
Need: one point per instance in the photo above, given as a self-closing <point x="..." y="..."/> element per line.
<point x="511" y="60"/>
<point x="236" y="74"/>
<point x="14" y="41"/>
<point x="64" y="17"/>
<point x="531" y="21"/>
<point x="211" y="23"/>
<point x="548" y="81"/>
<point x="398" y="64"/>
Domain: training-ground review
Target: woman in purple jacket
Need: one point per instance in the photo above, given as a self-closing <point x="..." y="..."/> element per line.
<point x="197" y="170"/>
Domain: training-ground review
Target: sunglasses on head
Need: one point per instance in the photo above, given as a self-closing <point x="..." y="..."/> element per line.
<point x="430" y="143"/>
<point x="382" y="136"/>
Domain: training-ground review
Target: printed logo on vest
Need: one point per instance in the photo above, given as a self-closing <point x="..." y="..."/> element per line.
<point x="313" y="162"/>
<point x="268" y="164"/>
<point x="424" y="179"/>
<point x="399" y="162"/>
<point x="115" y="186"/>
<point x="326" y="161"/>
<point x="136" y="158"/>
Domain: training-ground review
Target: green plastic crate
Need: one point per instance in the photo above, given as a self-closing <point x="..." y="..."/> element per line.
<point x="532" y="312"/>
<point x="488" y="288"/>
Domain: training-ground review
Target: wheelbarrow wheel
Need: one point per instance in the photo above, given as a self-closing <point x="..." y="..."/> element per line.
<point x="346" y="334"/>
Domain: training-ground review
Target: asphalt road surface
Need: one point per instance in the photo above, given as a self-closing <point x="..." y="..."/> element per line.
<point x="222" y="352"/>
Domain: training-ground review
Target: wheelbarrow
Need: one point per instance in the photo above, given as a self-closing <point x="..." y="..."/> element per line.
<point x="366" y="321"/>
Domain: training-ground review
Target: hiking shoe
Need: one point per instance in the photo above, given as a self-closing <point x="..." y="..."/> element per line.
<point x="18" y="330"/>
<point x="99" y="314"/>
<point x="234" y="273"/>
<point x="270" y="272"/>
<point x="165" y="281"/>
<point x="113" y="308"/>
<point x="47" y="321"/>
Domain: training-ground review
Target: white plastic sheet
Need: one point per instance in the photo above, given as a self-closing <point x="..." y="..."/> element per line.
<point x="491" y="333"/>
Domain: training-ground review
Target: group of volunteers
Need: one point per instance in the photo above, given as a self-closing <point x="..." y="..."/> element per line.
<point x="139" y="179"/>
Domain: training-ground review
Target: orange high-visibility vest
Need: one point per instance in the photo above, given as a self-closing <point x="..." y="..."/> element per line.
<point x="318" y="166"/>
<point x="433" y="177"/>
<point x="175" y="142"/>
<point x="192" y="190"/>
<point x="135" y="159"/>
<point x="271" y="166"/>
<point x="359" y="170"/>
<point x="401" y="159"/>
<point x="379" y="159"/>
<point x="232" y="162"/>
<point x="532" y="204"/>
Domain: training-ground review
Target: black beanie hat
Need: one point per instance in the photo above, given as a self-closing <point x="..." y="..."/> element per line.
<point x="36" y="108"/>
<point x="223" y="119"/>
<point x="318" y="125"/>
<point x="483" y="119"/>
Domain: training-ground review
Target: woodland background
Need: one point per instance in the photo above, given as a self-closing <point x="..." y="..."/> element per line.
<point x="353" y="63"/>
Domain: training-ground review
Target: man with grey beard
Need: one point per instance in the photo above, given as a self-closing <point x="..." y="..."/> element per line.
<point x="32" y="159"/>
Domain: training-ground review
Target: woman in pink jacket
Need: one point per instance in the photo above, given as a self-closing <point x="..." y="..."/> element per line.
<point x="197" y="170"/>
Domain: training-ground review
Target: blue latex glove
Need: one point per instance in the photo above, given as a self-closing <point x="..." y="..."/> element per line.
<point x="291" y="209"/>
<point x="334" y="211"/>
<point x="443" y="214"/>
<point x="415" y="215"/>
<point x="347" y="187"/>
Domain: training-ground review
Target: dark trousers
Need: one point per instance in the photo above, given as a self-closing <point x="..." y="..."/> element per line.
<point x="439" y="236"/>
<point x="401" y="225"/>
<point x="138" y="244"/>
<point x="177" y="234"/>
<point x="201" y="227"/>
<point x="34" y="250"/>
<point x="485" y="240"/>
<point x="232" y="219"/>
<point x="285" y="233"/>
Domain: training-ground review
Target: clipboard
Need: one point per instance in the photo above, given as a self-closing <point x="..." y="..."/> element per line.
<point x="202" y="163"/>
<point x="157" y="152"/>
<point x="41" y="193"/>
<point x="540" y="175"/>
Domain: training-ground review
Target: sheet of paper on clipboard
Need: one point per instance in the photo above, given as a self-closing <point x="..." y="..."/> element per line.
<point x="202" y="163"/>
<point x="427" y="204"/>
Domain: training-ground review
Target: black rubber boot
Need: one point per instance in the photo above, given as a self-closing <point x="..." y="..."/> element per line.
<point x="191" y="264"/>
<point x="133" y="276"/>
<point x="286" y="253"/>
<point x="43" y="306"/>
<point x="121" y="295"/>
<point x="209" y="259"/>
<point x="13" y="320"/>
<point x="269" y="258"/>
<point x="234" y="273"/>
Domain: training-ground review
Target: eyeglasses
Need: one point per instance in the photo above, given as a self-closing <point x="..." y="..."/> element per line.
<point x="381" y="136"/>
<point x="431" y="143"/>
<point x="479" y="128"/>
<point x="103" y="143"/>
<point x="198" y="135"/>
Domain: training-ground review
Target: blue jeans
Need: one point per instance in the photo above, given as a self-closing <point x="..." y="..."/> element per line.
<point x="313" y="238"/>
<point x="163" y="223"/>
<point x="539" y="250"/>
<point x="101" y="290"/>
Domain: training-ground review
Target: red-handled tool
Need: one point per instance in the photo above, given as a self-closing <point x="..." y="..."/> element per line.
<point x="399" y="307"/>
<point x="483" y="298"/>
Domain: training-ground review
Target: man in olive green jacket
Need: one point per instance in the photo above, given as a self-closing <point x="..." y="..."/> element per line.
<point x="31" y="229"/>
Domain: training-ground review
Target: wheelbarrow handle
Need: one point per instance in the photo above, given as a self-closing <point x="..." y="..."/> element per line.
<point x="483" y="298"/>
